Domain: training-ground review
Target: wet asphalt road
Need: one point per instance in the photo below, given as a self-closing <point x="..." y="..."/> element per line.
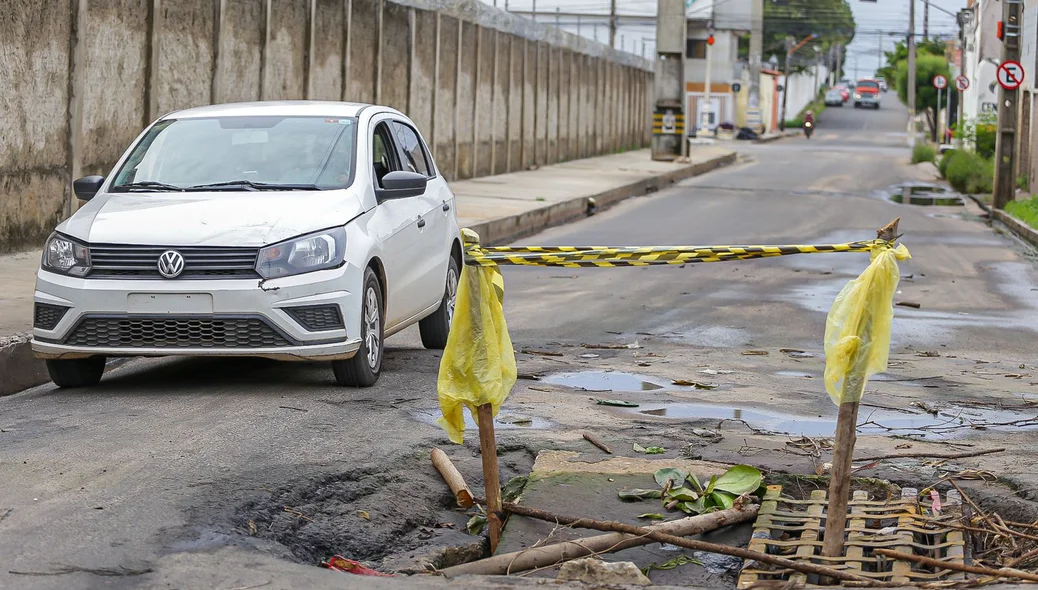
<point x="156" y="461"/>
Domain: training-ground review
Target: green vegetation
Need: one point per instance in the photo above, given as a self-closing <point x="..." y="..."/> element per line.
<point x="1026" y="211"/>
<point x="979" y="133"/>
<point x="830" y="20"/>
<point x="926" y="67"/>
<point x="900" y="54"/>
<point x="968" y="172"/>
<point x="942" y="166"/>
<point x="923" y="152"/>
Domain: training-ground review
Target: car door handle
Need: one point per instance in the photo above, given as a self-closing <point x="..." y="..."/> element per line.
<point x="446" y="206"/>
<point x="421" y="222"/>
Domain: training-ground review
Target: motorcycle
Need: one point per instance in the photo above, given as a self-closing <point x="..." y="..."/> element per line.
<point x="809" y="128"/>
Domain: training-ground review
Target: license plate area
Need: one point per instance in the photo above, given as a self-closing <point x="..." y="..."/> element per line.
<point x="171" y="303"/>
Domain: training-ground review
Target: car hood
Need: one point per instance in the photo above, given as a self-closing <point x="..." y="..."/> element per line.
<point x="217" y="218"/>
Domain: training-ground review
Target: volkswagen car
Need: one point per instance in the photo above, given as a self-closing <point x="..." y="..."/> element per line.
<point x="288" y="230"/>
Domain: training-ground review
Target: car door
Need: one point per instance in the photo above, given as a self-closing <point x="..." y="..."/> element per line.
<point x="436" y="209"/>
<point x="399" y="225"/>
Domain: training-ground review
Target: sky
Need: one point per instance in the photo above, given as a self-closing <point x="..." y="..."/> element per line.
<point x="879" y="25"/>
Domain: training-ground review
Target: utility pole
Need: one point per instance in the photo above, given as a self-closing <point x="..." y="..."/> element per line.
<point x="668" y="119"/>
<point x="839" y="64"/>
<point x="707" y="105"/>
<point x="785" y="84"/>
<point x="612" y="23"/>
<point x="926" y="20"/>
<point x="557" y="23"/>
<point x="533" y="11"/>
<point x="753" y="116"/>
<point x="1005" y="144"/>
<point x="911" y="64"/>
<point x="578" y="25"/>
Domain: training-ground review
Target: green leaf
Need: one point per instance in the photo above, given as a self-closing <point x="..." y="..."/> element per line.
<point x="723" y="499"/>
<point x="695" y="483"/>
<point x="652" y="515"/>
<point x="476" y="524"/>
<point x="697" y="507"/>
<point x="675" y="476"/>
<point x="636" y="494"/>
<point x="671" y="564"/>
<point x="740" y="479"/>
<point x="649" y="450"/>
<point x="513" y="489"/>
<point x="683" y="494"/>
<point x="616" y="402"/>
<point x="710" y="485"/>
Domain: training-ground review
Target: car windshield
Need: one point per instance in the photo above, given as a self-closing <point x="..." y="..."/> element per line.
<point x="868" y="84"/>
<point x="242" y="153"/>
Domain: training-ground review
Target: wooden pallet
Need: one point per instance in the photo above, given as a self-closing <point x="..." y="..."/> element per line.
<point x="794" y="529"/>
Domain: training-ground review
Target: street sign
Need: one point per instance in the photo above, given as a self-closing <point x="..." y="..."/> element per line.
<point x="1010" y="75"/>
<point x="962" y="83"/>
<point x="736" y="87"/>
<point x="940" y="82"/>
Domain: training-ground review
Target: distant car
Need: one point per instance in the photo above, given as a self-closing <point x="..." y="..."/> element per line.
<point x="866" y="94"/>
<point x="883" y="85"/>
<point x="844" y="92"/>
<point x="834" y="97"/>
<point x="305" y="231"/>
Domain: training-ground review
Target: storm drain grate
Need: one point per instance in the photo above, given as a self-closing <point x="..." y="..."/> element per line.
<point x="794" y="529"/>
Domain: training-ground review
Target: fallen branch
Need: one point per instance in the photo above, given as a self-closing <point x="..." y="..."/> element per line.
<point x="958" y="567"/>
<point x="453" y="477"/>
<point x="597" y="443"/>
<point x="930" y="455"/>
<point x="548" y="555"/>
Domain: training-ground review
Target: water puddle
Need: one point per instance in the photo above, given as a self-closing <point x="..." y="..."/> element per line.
<point x="924" y="194"/>
<point x="607" y="381"/>
<point x="795" y="374"/>
<point x="505" y="420"/>
<point x="951" y="421"/>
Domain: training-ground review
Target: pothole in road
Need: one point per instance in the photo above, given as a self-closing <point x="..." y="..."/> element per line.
<point x="948" y="422"/>
<point x="504" y="420"/>
<point x="924" y="194"/>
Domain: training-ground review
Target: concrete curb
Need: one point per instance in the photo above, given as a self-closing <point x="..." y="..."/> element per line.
<point x="1017" y="227"/>
<point x="20" y="370"/>
<point x="503" y="230"/>
<point x="776" y="137"/>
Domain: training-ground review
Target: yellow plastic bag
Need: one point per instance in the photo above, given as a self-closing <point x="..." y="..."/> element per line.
<point x="478" y="365"/>
<point x="857" y="330"/>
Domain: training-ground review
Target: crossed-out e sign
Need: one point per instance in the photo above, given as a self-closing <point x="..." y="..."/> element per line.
<point x="940" y="82"/>
<point x="1010" y="75"/>
<point x="962" y="83"/>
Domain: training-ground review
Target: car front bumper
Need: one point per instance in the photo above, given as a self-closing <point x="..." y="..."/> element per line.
<point x="222" y="317"/>
<point x="867" y="99"/>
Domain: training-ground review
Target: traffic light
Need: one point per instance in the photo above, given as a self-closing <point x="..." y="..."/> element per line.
<point x="710" y="40"/>
<point x="1001" y="30"/>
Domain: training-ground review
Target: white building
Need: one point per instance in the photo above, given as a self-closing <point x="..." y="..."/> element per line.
<point x="980" y="58"/>
<point x="727" y="21"/>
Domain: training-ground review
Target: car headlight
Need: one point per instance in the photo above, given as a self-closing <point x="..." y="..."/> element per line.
<point x="857" y="96"/>
<point x="316" y="251"/>
<point x="65" y="256"/>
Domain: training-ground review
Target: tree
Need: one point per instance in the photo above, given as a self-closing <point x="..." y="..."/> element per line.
<point x="900" y="54"/>
<point x="926" y="67"/>
<point x="830" y="20"/>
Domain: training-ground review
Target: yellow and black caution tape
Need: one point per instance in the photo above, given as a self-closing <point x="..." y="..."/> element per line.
<point x="604" y="256"/>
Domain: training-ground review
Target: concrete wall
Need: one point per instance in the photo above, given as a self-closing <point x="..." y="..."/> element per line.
<point x="492" y="92"/>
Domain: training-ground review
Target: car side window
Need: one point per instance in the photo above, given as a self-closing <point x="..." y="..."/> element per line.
<point x="383" y="153"/>
<point x="415" y="158"/>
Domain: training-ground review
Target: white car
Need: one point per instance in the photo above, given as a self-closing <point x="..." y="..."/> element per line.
<point x="288" y="230"/>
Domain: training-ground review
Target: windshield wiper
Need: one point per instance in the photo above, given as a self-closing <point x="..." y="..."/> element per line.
<point x="254" y="186"/>
<point x="150" y="185"/>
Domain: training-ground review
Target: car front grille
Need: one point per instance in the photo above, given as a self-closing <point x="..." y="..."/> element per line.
<point x="200" y="262"/>
<point x="176" y="332"/>
<point x="47" y="316"/>
<point x="316" y="318"/>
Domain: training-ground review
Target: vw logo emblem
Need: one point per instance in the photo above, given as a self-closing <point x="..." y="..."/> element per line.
<point x="171" y="264"/>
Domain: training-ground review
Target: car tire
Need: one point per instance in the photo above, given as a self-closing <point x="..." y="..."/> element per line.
<point x="364" y="368"/>
<point x="435" y="328"/>
<point x="74" y="373"/>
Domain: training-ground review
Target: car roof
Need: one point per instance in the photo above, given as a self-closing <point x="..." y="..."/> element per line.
<point x="278" y="108"/>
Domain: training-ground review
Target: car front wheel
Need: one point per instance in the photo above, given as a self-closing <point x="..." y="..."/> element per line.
<point x="437" y="327"/>
<point x="72" y="373"/>
<point x="365" y="367"/>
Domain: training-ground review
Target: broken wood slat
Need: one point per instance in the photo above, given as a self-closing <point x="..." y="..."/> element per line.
<point x="855" y="551"/>
<point x="761" y="532"/>
<point x="812" y="527"/>
<point x="902" y="570"/>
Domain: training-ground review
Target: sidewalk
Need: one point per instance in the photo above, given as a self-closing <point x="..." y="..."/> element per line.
<point x="500" y="208"/>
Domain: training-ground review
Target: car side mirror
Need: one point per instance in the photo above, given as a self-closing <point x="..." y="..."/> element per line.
<point x="401" y="185"/>
<point x="86" y="187"/>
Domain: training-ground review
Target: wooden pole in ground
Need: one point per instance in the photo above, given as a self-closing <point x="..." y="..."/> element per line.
<point x="847" y="432"/>
<point x="453" y="477"/>
<point x="491" y="477"/>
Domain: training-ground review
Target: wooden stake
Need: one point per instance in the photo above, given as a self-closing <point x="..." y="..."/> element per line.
<point x="601" y="445"/>
<point x="453" y="477"/>
<point x="491" y="477"/>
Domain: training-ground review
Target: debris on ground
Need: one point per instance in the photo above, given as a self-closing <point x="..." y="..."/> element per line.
<point x="651" y="450"/>
<point x="595" y="571"/>
<point x="349" y="566"/>
<point x="616" y="402"/>
<point x="683" y="491"/>
<point x="694" y="384"/>
<point x="591" y="439"/>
